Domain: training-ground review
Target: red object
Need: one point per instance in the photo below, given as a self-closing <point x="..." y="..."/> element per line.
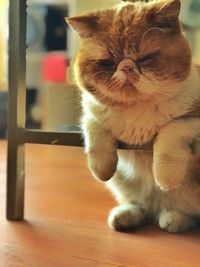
<point x="54" y="68"/>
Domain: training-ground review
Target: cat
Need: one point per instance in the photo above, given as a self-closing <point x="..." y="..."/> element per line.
<point x="140" y="85"/>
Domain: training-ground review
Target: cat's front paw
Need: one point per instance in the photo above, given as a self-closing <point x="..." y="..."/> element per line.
<point x="169" y="174"/>
<point x="167" y="182"/>
<point x="102" y="164"/>
<point x="174" y="221"/>
<point x="126" y="217"/>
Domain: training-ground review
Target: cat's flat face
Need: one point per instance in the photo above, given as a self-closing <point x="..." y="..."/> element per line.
<point x="132" y="52"/>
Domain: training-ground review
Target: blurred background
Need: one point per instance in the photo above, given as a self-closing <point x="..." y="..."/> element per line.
<point x="53" y="101"/>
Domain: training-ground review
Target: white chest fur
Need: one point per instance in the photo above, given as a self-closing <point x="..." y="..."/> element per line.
<point x="136" y="125"/>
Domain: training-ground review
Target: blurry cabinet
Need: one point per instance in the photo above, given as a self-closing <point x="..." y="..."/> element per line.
<point x="60" y="107"/>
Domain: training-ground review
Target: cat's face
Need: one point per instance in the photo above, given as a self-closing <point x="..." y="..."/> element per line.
<point x="132" y="52"/>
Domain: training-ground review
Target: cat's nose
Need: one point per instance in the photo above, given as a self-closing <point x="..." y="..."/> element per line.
<point x="126" y="69"/>
<point x="126" y="65"/>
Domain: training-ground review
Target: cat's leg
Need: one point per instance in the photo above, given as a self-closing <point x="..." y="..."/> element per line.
<point x="126" y="216"/>
<point x="101" y="150"/>
<point x="172" y="152"/>
<point x="174" y="221"/>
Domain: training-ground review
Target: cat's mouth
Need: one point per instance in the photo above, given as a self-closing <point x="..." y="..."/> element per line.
<point x="129" y="85"/>
<point x="120" y="90"/>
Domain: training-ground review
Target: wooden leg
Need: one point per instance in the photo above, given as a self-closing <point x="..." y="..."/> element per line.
<point x="16" y="109"/>
<point x="15" y="181"/>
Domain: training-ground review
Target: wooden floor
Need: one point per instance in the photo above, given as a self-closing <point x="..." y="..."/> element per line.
<point x="65" y="224"/>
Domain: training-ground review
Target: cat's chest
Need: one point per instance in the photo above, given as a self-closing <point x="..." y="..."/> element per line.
<point x="133" y="126"/>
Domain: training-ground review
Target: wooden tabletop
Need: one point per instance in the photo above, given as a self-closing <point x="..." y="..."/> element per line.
<point x="65" y="226"/>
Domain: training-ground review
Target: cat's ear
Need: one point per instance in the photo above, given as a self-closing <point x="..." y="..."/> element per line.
<point x="167" y="10"/>
<point x="85" y="25"/>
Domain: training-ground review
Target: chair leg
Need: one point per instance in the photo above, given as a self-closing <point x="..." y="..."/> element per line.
<point x="15" y="181"/>
<point x="16" y="109"/>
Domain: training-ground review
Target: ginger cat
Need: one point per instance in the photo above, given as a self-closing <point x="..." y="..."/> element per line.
<point x="139" y="85"/>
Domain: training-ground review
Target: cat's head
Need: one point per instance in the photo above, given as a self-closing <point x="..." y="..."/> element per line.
<point x="131" y="52"/>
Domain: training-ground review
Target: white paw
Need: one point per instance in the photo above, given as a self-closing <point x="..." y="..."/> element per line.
<point x="126" y="217"/>
<point x="167" y="182"/>
<point x="169" y="174"/>
<point x="102" y="165"/>
<point x="174" y="221"/>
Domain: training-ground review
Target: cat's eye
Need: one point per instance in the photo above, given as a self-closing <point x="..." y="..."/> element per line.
<point x="148" y="57"/>
<point x="106" y="63"/>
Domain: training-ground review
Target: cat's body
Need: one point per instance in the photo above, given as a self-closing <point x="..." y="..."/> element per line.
<point x="114" y="110"/>
<point x="133" y="181"/>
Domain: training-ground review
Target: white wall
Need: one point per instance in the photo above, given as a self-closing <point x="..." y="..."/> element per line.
<point x="85" y="5"/>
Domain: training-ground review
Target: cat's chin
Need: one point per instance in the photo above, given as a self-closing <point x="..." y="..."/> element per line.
<point x="113" y="101"/>
<point x="128" y="86"/>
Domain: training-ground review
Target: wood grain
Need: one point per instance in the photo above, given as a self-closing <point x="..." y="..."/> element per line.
<point x="66" y="212"/>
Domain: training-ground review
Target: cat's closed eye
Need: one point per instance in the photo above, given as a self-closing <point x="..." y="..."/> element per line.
<point x="148" y="57"/>
<point x="106" y="63"/>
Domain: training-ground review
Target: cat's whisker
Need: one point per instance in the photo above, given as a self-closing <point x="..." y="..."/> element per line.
<point x="157" y="91"/>
<point x="114" y="82"/>
<point x="115" y="88"/>
<point x="108" y="81"/>
<point x="100" y="72"/>
<point x="146" y="84"/>
<point x="112" y="52"/>
<point x="133" y="46"/>
<point x="101" y="97"/>
<point x="151" y="29"/>
<point x="147" y="77"/>
<point x="107" y="100"/>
